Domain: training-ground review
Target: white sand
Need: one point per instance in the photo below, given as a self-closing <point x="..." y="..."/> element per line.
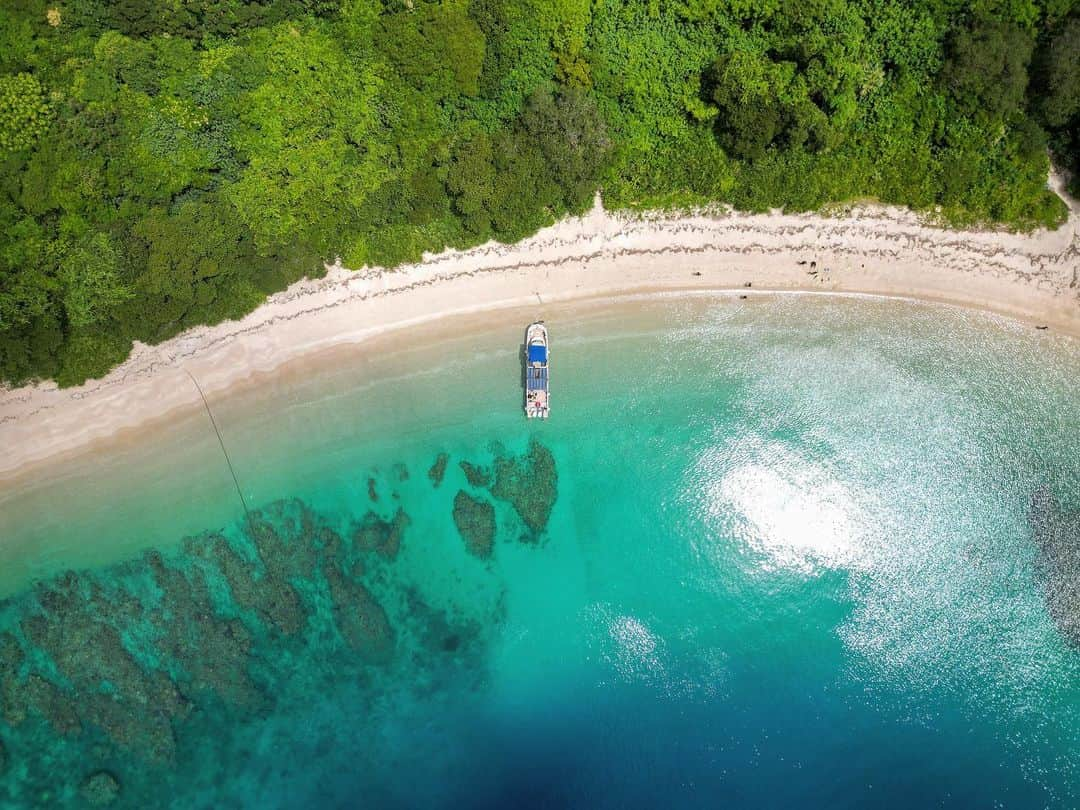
<point x="870" y="249"/>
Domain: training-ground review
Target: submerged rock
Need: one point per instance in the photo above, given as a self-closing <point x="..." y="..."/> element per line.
<point x="54" y="706"/>
<point x="440" y="633"/>
<point x="438" y="469"/>
<point x="100" y="789"/>
<point x="133" y="662"/>
<point x="274" y="600"/>
<point x="210" y="653"/>
<point x="108" y="687"/>
<point x="1057" y="538"/>
<point x="529" y="483"/>
<point x="11" y="698"/>
<point x="476" y="475"/>
<point x="289" y="536"/>
<point x="475" y="521"/>
<point x="360" y="619"/>
<point x="383" y="536"/>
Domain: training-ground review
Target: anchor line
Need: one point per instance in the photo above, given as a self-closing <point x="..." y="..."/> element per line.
<point x="224" y="452"/>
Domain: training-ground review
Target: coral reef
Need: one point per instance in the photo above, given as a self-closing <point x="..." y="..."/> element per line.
<point x="191" y="653"/>
<point x="475" y="521"/>
<point x="360" y="619"/>
<point x="100" y="789"/>
<point x="273" y="599"/>
<point x="383" y="536"/>
<point x="208" y="654"/>
<point x="108" y="688"/>
<point x="529" y="483"/>
<point x="125" y="664"/>
<point x="476" y="475"/>
<point x="1057" y="538"/>
<point x="11" y="699"/>
<point x="438" y="469"/>
<point x="50" y="703"/>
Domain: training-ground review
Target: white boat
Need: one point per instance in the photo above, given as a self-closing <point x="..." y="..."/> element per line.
<point x="536" y="371"/>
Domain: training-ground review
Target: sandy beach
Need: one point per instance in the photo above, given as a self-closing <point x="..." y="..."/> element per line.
<point x="870" y="249"/>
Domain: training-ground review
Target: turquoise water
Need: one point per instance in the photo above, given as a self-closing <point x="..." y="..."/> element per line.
<point x="792" y="559"/>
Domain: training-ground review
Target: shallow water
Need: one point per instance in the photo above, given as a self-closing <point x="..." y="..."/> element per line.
<point x="792" y="559"/>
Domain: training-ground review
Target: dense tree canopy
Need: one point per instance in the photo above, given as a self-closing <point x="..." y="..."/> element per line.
<point x="166" y="163"/>
<point x="986" y="69"/>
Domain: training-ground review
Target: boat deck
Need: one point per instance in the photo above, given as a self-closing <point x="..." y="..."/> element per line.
<point x="537" y="404"/>
<point x="536" y="379"/>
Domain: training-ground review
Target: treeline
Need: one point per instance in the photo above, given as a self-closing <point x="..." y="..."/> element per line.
<point x="167" y="163"/>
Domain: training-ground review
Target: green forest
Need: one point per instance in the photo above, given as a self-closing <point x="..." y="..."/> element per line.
<point x="168" y="163"/>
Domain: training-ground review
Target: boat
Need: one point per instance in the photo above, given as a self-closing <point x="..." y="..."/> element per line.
<point x="537" y="404"/>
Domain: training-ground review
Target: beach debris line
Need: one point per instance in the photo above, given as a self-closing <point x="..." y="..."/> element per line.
<point x="537" y="404"/>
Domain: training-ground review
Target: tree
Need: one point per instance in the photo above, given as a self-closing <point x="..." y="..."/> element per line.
<point x="308" y="131"/>
<point x="573" y="139"/>
<point x="435" y="47"/>
<point x="762" y="102"/>
<point x="24" y="112"/>
<point x="165" y="163"/>
<point x="1057" y="77"/>
<point x="90" y="277"/>
<point x="986" y="69"/>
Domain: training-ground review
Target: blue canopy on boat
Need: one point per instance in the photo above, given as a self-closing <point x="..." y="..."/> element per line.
<point x="538" y="354"/>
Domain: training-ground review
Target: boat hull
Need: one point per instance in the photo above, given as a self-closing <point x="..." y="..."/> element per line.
<point x="537" y="395"/>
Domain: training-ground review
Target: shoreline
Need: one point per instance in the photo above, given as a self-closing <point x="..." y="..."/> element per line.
<point x="871" y="250"/>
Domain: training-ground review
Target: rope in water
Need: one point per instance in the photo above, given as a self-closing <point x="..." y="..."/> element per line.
<point x="224" y="452"/>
